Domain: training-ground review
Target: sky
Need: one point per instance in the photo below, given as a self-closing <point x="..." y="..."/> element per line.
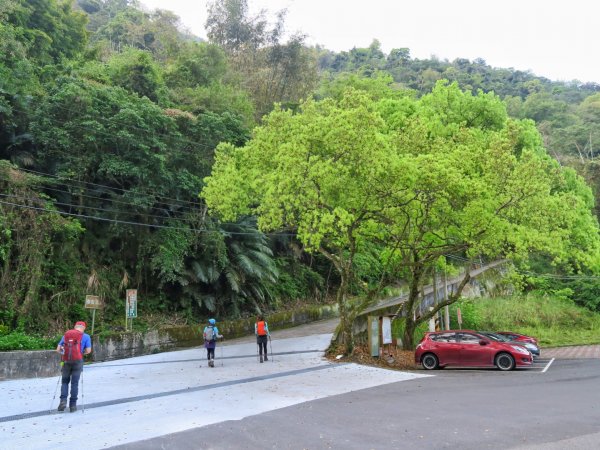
<point x="555" y="39"/>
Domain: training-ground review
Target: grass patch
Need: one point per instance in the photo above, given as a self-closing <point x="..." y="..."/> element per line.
<point x="553" y="321"/>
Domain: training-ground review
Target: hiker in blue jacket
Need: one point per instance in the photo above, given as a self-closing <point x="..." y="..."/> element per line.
<point x="211" y="334"/>
<point x="72" y="347"/>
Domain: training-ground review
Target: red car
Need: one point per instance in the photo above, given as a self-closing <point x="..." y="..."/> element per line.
<point x="467" y="348"/>
<point x="518" y="337"/>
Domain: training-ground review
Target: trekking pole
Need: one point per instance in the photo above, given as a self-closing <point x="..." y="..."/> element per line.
<point x="222" y="340"/>
<point x="82" y="396"/>
<point x="271" y="345"/>
<point x="55" y="392"/>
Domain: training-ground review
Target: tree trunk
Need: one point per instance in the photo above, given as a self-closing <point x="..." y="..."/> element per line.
<point x="345" y="319"/>
<point x="409" y="332"/>
<point x="410" y="324"/>
<point x="35" y="269"/>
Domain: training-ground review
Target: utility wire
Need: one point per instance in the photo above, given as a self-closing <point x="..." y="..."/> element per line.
<point x="111" y="200"/>
<point x="553" y="276"/>
<point x="70" y="205"/>
<point x="104" y="219"/>
<point x="106" y="121"/>
<point x="60" y="177"/>
<point x="63" y="213"/>
<point x="104" y="199"/>
<point x="112" y="135"/>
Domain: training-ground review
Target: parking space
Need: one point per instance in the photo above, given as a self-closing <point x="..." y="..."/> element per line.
<point x="573" y="352"/>
<point x="542" y="364"/>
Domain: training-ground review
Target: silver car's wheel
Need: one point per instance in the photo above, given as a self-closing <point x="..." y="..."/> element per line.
<point x="429" y="361"/>
<point x="504" y="361"/>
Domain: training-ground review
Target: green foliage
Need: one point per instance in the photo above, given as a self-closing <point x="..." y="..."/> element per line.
<point x="583" y="291"/>
<point x="270" y="70"/>
<point x="553" y="321"/>
<point x="399" y="328"/>
<point x="457" y="176"/>
<point x="20" y="341"/>
<point x="136" y="71"/>
<point x="51" y="30"/>
<point x="296" y="281"/>
<point x="378" y="86"/>
<point x="470" y="312"/>
<point x="197" y="64"/>
<point x="127" y="129"/>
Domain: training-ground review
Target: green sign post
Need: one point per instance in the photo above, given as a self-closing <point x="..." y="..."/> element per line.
<point x="130" y="307"/>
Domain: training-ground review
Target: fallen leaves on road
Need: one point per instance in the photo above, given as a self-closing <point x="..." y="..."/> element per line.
<point x="392" y="358"/>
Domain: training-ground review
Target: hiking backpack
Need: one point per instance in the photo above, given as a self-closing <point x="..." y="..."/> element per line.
<point x="72" y="346"/>
<point x="261" y="328"/>
<point x="209" y="334"/>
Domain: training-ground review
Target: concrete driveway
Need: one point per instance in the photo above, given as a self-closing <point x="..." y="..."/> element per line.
<point x="150" y="396"/>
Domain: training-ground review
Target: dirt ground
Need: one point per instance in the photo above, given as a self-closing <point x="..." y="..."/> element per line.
<point x="392" y="358"/>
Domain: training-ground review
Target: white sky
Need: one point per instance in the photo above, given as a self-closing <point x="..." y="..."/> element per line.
<point x="556" y="39"/>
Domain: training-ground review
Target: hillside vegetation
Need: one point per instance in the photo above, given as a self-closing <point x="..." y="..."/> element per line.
<point x="554" y="321"/>
<point x="357" y="171"/>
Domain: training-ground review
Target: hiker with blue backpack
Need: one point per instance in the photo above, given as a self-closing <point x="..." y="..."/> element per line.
<point x="211" y="334"/>
<point x="73" y="345"/>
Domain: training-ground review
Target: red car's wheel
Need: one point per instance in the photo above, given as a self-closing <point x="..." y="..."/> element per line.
<point x="505" y="361"/>
<point x="429" y="361"/>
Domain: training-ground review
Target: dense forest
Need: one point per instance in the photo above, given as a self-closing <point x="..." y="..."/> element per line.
<point x="110" y="121"/>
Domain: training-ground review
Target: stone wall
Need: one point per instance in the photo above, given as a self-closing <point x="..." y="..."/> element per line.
<point x="29" y="364"/>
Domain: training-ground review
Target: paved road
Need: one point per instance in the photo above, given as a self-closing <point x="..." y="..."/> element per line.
<point x="145" y="397"/>
<point x="302" y="401"/>
<point x="457" y="409"/>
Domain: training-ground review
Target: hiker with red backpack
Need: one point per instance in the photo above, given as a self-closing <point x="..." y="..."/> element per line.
<point x="73" y="345"/>
<point x="211" y="334"/>
<point x="261" y="330"/>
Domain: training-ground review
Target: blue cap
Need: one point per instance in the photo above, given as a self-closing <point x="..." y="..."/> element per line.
<point x="212" y="321"/>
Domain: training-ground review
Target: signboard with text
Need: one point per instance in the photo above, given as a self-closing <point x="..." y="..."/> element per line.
<point x="93" y="302"/>
<point x="131" y="303"/>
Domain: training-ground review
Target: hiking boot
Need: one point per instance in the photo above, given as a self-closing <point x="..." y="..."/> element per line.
<point x="62" y="405"/>
<point x="266" y="359"/>
<point x="72" y="408"/>
<point x="261" y="358"/>
<point x="211" y="363"/>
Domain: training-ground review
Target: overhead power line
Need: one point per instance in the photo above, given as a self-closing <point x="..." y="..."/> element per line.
<point x="149" y="225"/>
<point x="93" y="208"/>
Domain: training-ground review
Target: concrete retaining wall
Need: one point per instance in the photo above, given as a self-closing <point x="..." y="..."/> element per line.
<point x="106" y="347"/>
<point x="29" y="364"/>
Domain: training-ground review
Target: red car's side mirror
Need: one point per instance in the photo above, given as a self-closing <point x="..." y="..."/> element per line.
<point x="483" y="342"/>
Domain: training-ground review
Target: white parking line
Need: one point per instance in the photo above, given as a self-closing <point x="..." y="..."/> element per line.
<point x="548" y="365"/>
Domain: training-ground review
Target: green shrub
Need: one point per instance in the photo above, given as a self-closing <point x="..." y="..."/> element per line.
<point x="20" y="341"/>
<point x="552" y="319"/>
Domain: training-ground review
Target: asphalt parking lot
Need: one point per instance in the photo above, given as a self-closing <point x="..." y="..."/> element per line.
<point x="299" y="400"/>
<point x="463" y="409"/>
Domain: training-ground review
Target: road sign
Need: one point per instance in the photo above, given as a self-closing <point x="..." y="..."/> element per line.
<point x="93" y="302"/>
<point x="131" y="303"/>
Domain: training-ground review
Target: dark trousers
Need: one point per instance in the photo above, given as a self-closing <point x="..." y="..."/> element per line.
<point x="210" y="353"/>
<point x="71" y="372"/>
<point x="262" y="343"/>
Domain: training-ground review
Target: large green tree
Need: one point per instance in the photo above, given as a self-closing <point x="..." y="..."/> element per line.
<point x="450" y="174"/>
